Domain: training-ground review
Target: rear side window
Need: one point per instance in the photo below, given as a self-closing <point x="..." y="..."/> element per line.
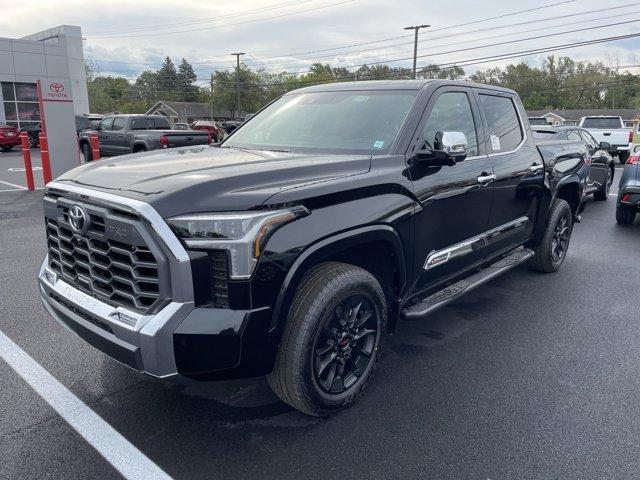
<point x="602" y="122"/>
<point x="504" y="126"/>
<point x="452" y="113"/>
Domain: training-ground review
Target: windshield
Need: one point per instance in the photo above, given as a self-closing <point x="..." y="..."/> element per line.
<point x="604" y="123"/>
<point x="349" y="122"/>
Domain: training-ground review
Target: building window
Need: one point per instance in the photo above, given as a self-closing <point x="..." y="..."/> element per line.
<point x="20" y="101"/>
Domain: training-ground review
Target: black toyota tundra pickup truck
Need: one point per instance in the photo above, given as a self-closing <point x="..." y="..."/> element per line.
<point x="293" y="248"/>
<point x="122" y="134"/>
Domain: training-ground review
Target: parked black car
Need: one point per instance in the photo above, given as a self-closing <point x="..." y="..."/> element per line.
<point x="83" y="122"/>
<point x="295" y="247"/>
<point x="603" y="168"/>
<point x="628" y="201"/>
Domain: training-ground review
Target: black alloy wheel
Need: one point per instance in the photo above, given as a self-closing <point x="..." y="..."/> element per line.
<point x="560" y="242"/>
<point x="345" y="345"/>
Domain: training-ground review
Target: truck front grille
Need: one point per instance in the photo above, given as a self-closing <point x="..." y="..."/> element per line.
<point x="124" y="272"/>
<point x="219" y="279"/>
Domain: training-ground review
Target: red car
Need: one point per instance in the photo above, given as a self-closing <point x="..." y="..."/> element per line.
<point x="9" y="137"/>
<point x="211" y="127"/>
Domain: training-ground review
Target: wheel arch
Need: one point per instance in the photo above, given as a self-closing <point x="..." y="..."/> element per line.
<point x="381" y="241"/>
<point x="139" y="146"/>
<point x="569" y="189"/>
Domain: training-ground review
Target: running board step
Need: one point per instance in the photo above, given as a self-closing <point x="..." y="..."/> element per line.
<point x="458" y="289"/>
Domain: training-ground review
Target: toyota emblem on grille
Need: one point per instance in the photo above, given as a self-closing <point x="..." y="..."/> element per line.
<point x="78" y="219"/>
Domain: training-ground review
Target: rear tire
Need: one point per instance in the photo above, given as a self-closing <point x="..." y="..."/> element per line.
<point x="623" y="157"/>
<point x="332" y="339"/>
<point x="602" y="194"/>
<point x="86" y="152"/>
<point x="550" y="254"/>
<point x="625" y="215"/>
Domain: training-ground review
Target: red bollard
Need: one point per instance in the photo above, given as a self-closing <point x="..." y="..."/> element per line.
<point x="95" y="146"/>
<point x="26" y="153"/>
<point x="44" y="157"/>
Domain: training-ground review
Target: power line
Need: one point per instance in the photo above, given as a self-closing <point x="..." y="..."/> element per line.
<point x="206" y="20"/>
<point x="228" y="24"/>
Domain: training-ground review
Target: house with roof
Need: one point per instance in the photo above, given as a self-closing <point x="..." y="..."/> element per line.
<point x="630" y="116"/>
<point x="188" y="112"/>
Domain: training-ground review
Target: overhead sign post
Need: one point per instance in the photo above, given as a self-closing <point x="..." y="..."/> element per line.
<point x="58" y="124"/>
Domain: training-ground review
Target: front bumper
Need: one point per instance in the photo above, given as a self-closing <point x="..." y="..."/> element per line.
<point x="9" y="141"/>
<point x="180" y="338"/>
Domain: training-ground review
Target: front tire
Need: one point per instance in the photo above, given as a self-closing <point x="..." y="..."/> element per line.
<point x="625" y="215"/>
<point x="550" y="254"/>
<point x="332" y="339"/>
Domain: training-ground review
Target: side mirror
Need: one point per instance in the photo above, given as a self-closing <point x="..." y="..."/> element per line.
<point x="636" y="149"/>
<point x="449" y="148"/>
<point x="604" y="146"/>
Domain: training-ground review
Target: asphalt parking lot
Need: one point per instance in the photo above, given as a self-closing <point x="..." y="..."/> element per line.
<point x="12" y="175"/>
<point x="531" y="376"/>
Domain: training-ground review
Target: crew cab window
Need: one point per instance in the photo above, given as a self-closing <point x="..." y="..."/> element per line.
<point x="150" y="123"/>
<point x="452" y="113"/>
<point x="502" y="119"/>
<point x="105" y="124"/>
<point x="118" y="123"/>
<point x="602" y="122"/>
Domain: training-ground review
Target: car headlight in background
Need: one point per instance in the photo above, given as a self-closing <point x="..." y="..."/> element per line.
<point x="242" y="234"/>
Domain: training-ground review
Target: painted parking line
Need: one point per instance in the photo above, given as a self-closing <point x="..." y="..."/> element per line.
<point x="9" y="184"/>
<point x="117" y="450"/>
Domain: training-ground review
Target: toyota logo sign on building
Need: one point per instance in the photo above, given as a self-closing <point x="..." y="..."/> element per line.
<point x="56" y="87"/>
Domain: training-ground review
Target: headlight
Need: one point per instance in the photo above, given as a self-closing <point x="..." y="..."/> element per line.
<point x="242" y="234"/>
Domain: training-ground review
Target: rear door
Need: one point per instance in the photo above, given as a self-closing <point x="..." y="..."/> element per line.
<point x="517" y="166"/>
<point x="455" y="200"/>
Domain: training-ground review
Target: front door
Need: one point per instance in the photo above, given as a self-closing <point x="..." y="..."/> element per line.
<point x="454" y="201"/>
<point x="104" y="136"/>
<point x="518" y="168"/>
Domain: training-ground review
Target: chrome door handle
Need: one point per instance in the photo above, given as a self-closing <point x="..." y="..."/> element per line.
<point x="484" y="179"/>
<point x="536" y="168"/>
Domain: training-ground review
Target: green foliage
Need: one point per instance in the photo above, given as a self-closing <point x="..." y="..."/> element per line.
<point x="559" y="82"/>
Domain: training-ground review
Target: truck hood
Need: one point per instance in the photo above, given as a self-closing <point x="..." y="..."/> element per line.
<point x="200" y="179"/>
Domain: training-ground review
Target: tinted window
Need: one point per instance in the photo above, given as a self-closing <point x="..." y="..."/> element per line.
<point x="150" y="123"/>
<point x="503" y="122"/>
<point x="118" y="123"/>
<point x="365" y="121"/>
<point x="452" y="113"/>
<point x="604" y="123"/>
<point x="574" y="136"/>
<point x="82" y="123"/>
<point x="538" y="121"/>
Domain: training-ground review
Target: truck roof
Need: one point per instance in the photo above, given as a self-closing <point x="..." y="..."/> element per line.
<point x="394" y="85"/>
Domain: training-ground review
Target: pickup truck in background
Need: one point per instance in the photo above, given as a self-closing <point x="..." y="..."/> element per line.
<point x="122" y="134"/>
<point x="297" y="245"/>
<point x="612" y="131"/>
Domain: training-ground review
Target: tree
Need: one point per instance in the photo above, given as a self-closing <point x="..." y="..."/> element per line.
<point x="167" y="80"/>
<point x="186" y="77"/>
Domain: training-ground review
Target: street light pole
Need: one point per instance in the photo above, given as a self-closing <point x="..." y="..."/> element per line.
<point x="416" y="29"/>
<point x="237" y="55"/>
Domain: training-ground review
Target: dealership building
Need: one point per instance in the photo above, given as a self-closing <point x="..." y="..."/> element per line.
<point x="42" y="85"/>
<point x="55" y="58"/>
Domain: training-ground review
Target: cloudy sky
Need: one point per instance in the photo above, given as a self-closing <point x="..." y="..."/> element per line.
<point x="127" y="37"/>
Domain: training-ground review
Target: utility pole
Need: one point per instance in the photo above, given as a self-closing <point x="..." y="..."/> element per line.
<point x="211" y="98"/>
<point x="416" y="29"/>
<point x="237" y="55"/>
